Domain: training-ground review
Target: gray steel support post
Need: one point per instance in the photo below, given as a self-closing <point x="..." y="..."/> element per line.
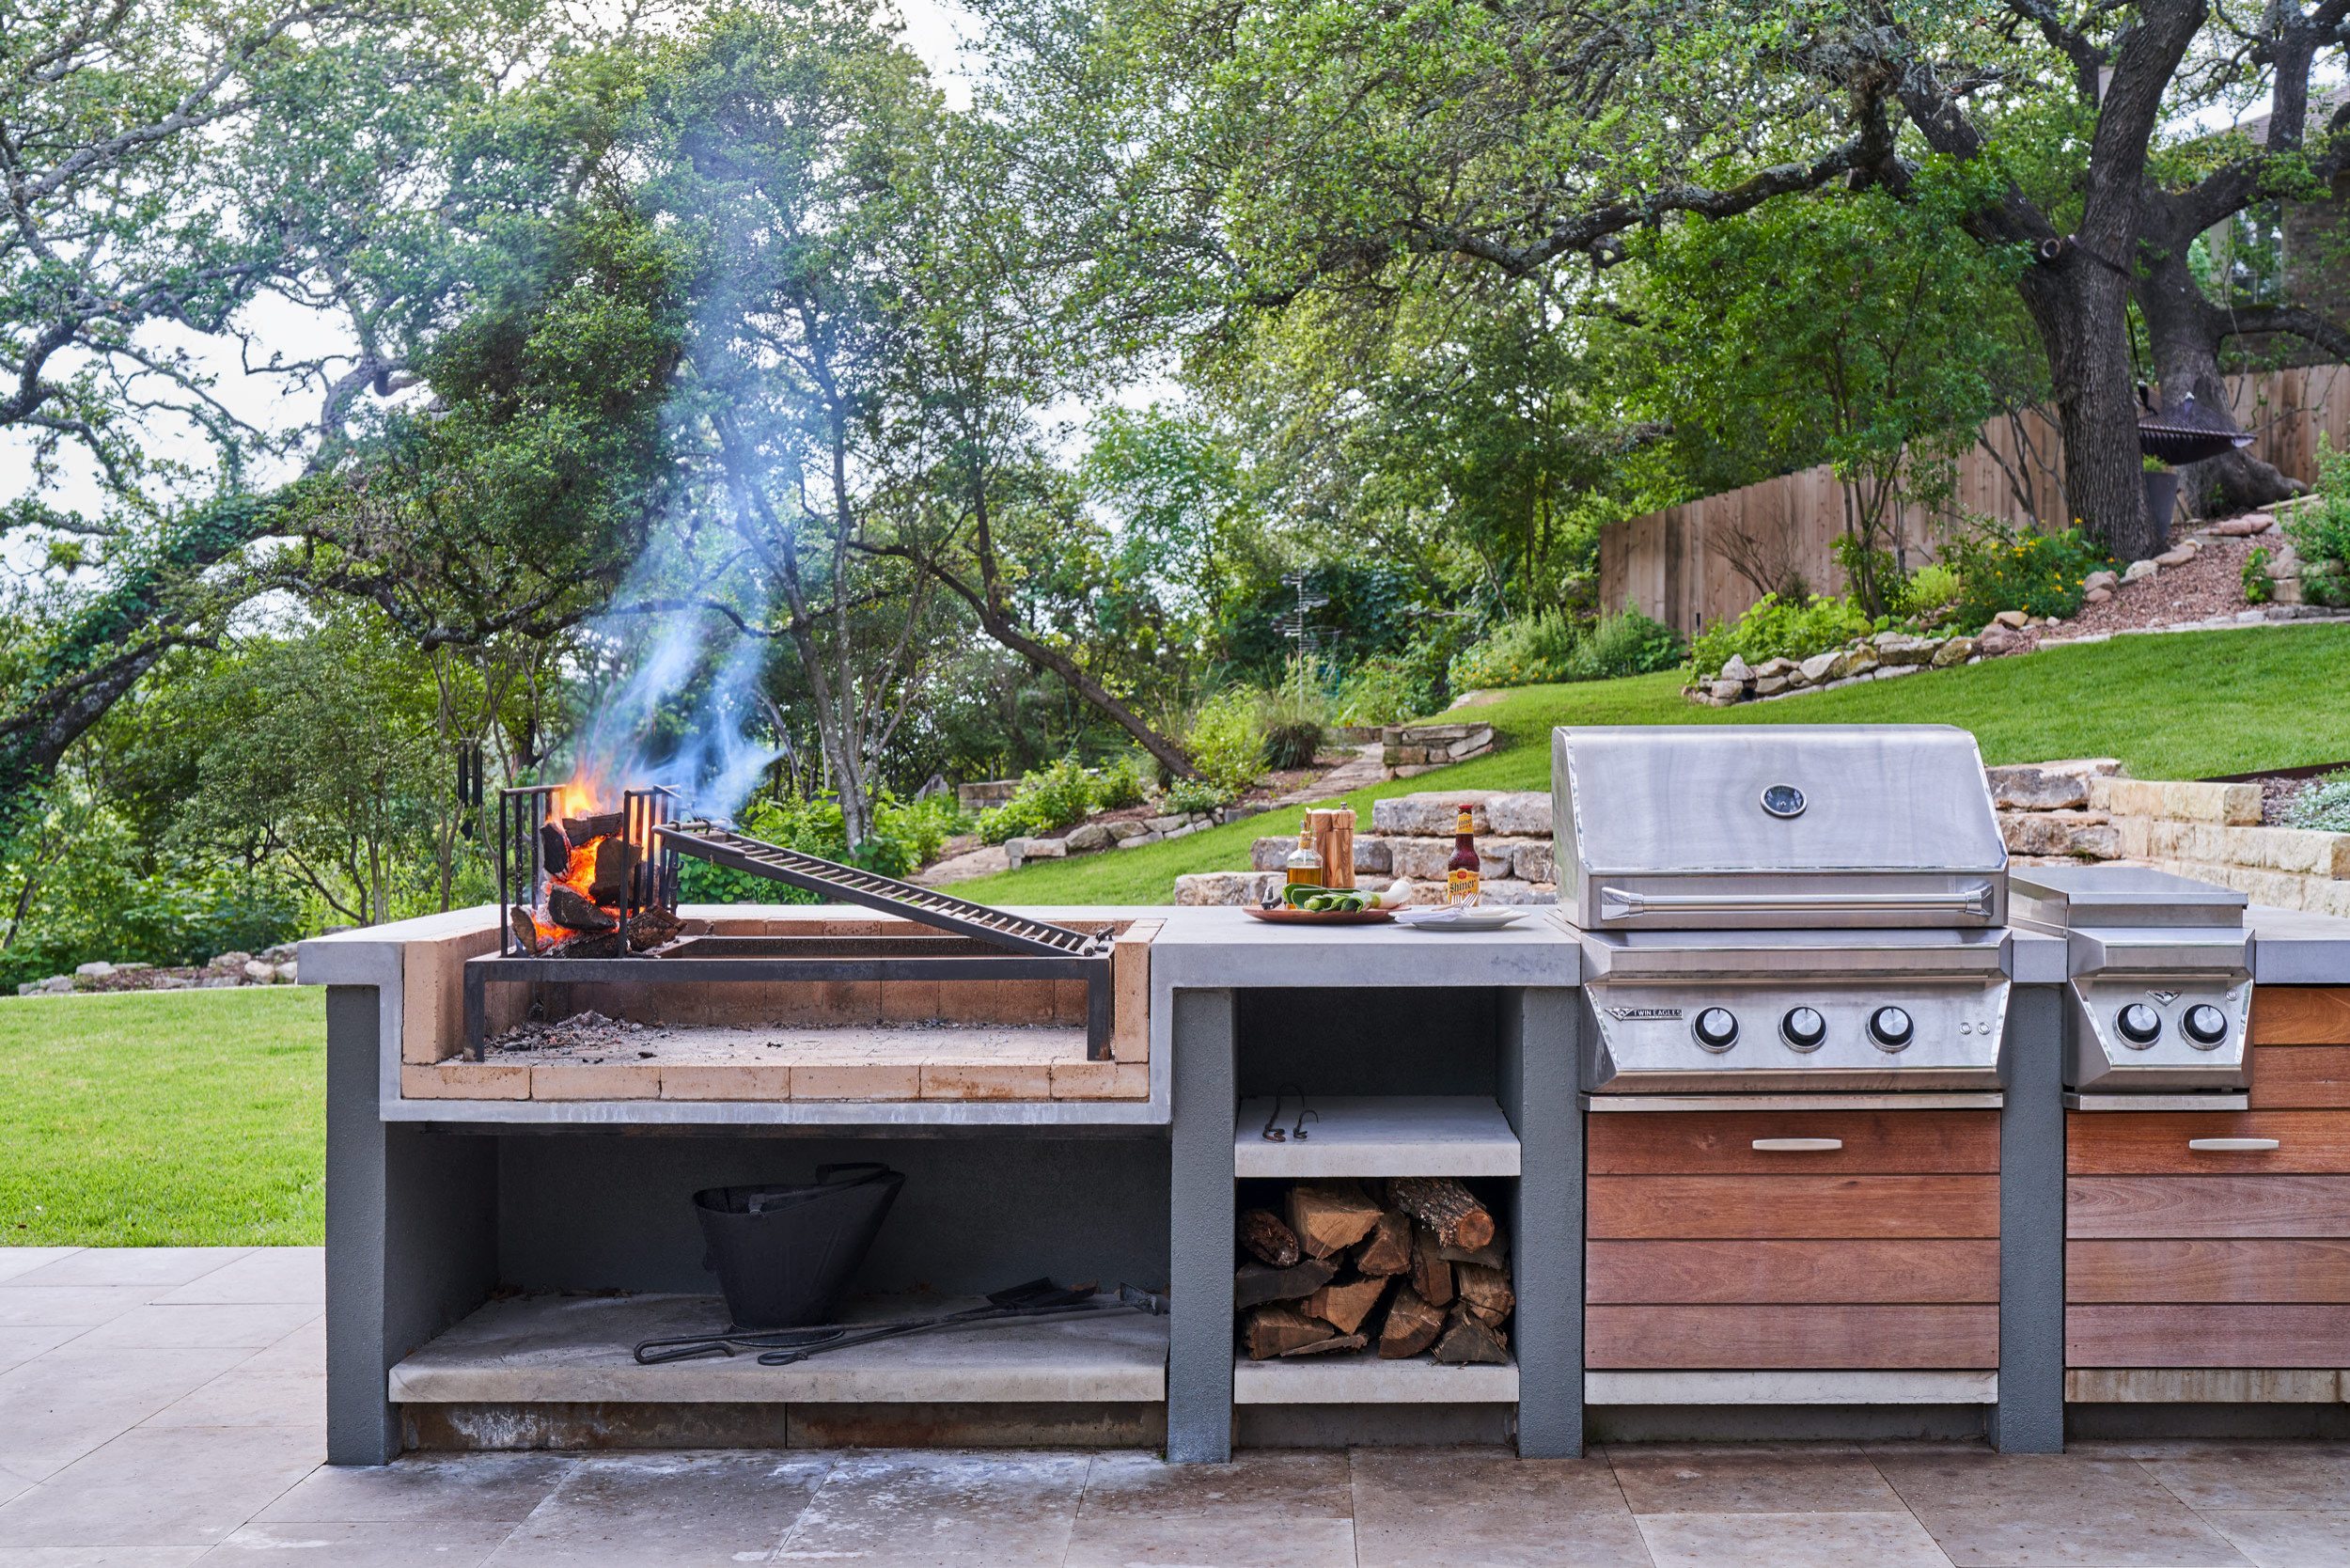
<point x="1200" y="1224"/>
<point x="1538" y="1094"/>
<point x="2030" y="1417"/>
<point x="410" y="1234"/>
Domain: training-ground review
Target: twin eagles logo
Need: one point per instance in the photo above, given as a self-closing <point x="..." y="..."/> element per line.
<point x="1628" y="1013"/>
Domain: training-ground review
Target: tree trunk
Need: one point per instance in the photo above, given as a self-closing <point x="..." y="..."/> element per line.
<point x="2184" y="331"/>
<point x="2080" y="306"/>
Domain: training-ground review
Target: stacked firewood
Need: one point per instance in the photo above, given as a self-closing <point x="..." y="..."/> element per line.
<point x="592" y="869"/>
<point x="1410" y="1264"/>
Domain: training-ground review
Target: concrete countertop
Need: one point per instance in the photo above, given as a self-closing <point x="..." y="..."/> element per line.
<point x="2293" y="946"/>
<point x="1221" y="948"/>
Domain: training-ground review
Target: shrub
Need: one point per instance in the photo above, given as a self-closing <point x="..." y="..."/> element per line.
<point x="1528" y="651"/>
<point x="1928" y="592"/>
<point x="1189" y="796"/>
<point x="2255" y="578"/>
<point x="1119" y="785"/>
<point x="1061" y="794"/>
<point x="1626" y="644"/>
<point x="2325" y="804"/>
<point x="1226" y="739"/>
<point x="1383" y="689"/>
<point x="1292" y="716"/>
<point x="2321" y="532"/>
<point x="2041" y="575"/>
<point x="1772" y="628"/>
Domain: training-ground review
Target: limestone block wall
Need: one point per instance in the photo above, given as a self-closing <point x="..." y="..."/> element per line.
<point x="1411" y="836"/>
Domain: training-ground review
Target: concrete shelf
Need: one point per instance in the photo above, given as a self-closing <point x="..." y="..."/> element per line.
<point x="566" y="1349"/>
<point x="1368" y="1380"/>
<point x="1380" y="1135"/>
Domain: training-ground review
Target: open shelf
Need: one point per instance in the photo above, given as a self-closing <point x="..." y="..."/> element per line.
<point x="1393" y="1135"/>
<point x="1368" y="1380"/>
<point x="569" y="1349"/>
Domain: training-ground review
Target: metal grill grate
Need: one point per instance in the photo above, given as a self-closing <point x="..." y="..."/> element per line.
<point x="813" y="873"/>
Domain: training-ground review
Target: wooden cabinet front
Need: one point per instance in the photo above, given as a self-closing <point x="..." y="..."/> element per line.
<point x="1719" y="1240"/>
<point x="2234" y="1254"/>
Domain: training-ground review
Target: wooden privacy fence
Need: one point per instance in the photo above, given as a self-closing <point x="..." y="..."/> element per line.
<point x="1682" y="565"/>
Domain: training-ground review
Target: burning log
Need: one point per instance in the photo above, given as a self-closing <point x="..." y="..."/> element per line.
<point x="525" y="928"/>
<point x="1267" y="1239"/>
<point x="616" y="863"/>
<point x="1389" y="1249"/>
<point x="1432" y="1275"/>
<point x="650" y="928"/>
<point x="1469" y="1342"/>
<point x="1329" y="1218"/>
<point x="1272" y="1331"/>
<point x="1254" y="1284"/>
<point x="1345" y="1307"/>
<point x="572" y="909"/>
<point x="555" y="850"/>
<point x="603" y="824"/>
<point x="1445" y="1207"/>
<point x="1410" y="1328"/>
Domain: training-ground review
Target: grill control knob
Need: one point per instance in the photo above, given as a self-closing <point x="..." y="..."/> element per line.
<point x="1890" y="1028"/>
<point x="2206" y="1026"/>
<point x="1803" y="1029"/>
<point x="1716" y="1028"/>
<point x="2140" y="1024"/>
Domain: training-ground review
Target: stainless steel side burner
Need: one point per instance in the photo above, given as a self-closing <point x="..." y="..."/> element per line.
<point x="2161" y="983"/>
<point x="1804" y="908"/>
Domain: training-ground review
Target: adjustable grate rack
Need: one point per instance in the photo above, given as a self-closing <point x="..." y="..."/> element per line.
<point x="975" y="941"/>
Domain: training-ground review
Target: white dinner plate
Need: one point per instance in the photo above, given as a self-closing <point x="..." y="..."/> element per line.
<point x="1481" y="918"/>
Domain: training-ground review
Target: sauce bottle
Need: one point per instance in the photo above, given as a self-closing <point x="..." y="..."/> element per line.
<point x="1460" y="873"/>
<point x="1304" y="864"/>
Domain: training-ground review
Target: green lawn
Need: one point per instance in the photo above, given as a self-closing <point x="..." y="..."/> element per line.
<point x="2187" y="705"/>
<point x="163" y="1118"/>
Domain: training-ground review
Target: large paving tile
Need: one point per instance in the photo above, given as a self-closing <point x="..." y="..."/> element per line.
<point x="68" y="1306"/>
<point x="2257" y="1476"/>
<point x="159" y="1268"/>
<point x="206" y="1327"/>
<point x="1812" y="1539"/>
<point x="968" y="1509"/>
<point x="1288" y="1486"/>
<point x="159" y="1488"/>
<point x="421" y="1543"/>
<point x="1738" y="1480"/>
<point x="1194" y="1541"/>
<point x="1488" y="1509"/>
<point x="303" y="1350"/>
<point x="267" y="1275"/>
<point x="99" y="1557"/>
<point x="23" y="1260"/>
<point x="20" y="1345"/>
<point x="248" y="1396"/>
<point x="62" y="1405"/>
<point x="2287" y="1537"/>
<point x="2022" y="1510"/>
<point x="481" y="1488"/>
<point x="653" y="1511"/>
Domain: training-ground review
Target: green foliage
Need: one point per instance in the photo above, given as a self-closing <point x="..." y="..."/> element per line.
<point x="2323" y="804"/>
<point x="1383" y="689"/>
<point x="2257" y="588"/>
<point x="1627" y="644"/>
<point x="1544" y="647"/>
<point x="2041" y="575"/>
<point x="1928" y="592"/>
<point x="1771" y="629"/>
<point x="1190" y="795"/>
<point x="1062" y="795"/>
<point x="1226" y="739"/>
<point x="905" y="834"/>
<point x="96" y="902"/>
<point x="1293" y="716"/>
<point x="1119" y="784"/>
<point x="2321" y="532"/>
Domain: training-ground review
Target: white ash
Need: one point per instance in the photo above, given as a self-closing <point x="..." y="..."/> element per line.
<point x="590" y="1036"/>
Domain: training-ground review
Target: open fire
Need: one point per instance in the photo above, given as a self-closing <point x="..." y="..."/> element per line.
<point x="582" y="875"/>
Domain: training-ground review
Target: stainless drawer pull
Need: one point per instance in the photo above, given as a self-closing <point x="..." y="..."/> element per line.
<point x="2231" y="1145"/>
<point x="1797" y="1145"/>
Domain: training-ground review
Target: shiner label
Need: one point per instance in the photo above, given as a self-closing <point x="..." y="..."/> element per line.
<point x="1460" y="887"/>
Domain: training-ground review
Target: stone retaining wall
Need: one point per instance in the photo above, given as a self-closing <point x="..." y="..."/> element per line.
<point x="1411" y="836"/>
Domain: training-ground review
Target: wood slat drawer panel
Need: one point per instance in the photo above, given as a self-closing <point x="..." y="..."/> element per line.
<point x="2300" y="1015"/>
<point x="2262" y="1336"/>
<point x="2098" y="1207"/>
<point x="1620" y="1273"/>
<point x="2154" y="1143"/>
<point x="1722" y="1142"/>
<point x="1663" y="1338"/>
<point x="1796" y="1208"/>
<point x="2301" y="1077"/>
<point x="2268" y="1268"/>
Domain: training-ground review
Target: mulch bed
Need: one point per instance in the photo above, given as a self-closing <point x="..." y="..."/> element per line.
<point x="2211" y="583"/>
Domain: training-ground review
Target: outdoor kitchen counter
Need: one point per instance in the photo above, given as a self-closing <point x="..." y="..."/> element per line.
<point x="1227" y="948"/>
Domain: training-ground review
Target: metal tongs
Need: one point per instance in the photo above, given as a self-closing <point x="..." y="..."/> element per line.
<point x="783" y="1347"/>
<point x="1272" y="1133"/>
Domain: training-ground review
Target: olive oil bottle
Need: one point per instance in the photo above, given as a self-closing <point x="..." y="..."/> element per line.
<point x="1305" y="862"/>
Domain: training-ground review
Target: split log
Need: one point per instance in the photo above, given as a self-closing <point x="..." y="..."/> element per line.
<point x="1495" y="1255"/>
<point x="603" y="824"/>
<point x="1267" y="1239"/>
<point x="1486" y="1292"/>
<point x="1254" y="1284"/>
<point x="1272" y="1331"/>
<point x="1432" y="1275"/>
<point x="1445" y="1207"/>
<point x="1330" y="1217"/>
<point x="1345" y="1307"/>
<point x="555" y="850"/>
<point x="1412" y="1326"/>
<point x="569" y="908"/>
<point x="650" y="928"/>
<point x="1388" y="1247"/>
<point x="526" y="929"/>
<point x="616" y="863"/>
<point x="1320" y="1347"/>
<point x="1468" y="1341"/>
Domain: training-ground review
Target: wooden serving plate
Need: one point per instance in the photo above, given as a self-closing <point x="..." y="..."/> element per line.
<point x="1320" y="917"/>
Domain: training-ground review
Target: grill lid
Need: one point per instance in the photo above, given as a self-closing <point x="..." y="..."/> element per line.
<point x="1786" y="826"/>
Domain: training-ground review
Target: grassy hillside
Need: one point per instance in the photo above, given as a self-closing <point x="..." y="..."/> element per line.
<point x="2172" y="706"/>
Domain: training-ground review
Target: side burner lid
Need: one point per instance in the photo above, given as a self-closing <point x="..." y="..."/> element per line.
<point x="2069" y="898"/>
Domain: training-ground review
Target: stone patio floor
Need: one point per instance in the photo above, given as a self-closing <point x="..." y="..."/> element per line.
<point x="162" y="1406"/>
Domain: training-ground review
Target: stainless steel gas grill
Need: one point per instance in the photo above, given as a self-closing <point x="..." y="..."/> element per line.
<point x="1802" y="908"/>
<point x="2161" y="984"/>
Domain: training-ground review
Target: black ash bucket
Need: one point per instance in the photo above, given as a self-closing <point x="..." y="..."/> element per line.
<point x="783" y="1254"/>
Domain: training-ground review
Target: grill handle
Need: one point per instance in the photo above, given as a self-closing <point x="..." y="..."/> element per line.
<point x="1797" y="1145"/>
<point x="1617" y="903"/>
<point x="2231" y="1145"/>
